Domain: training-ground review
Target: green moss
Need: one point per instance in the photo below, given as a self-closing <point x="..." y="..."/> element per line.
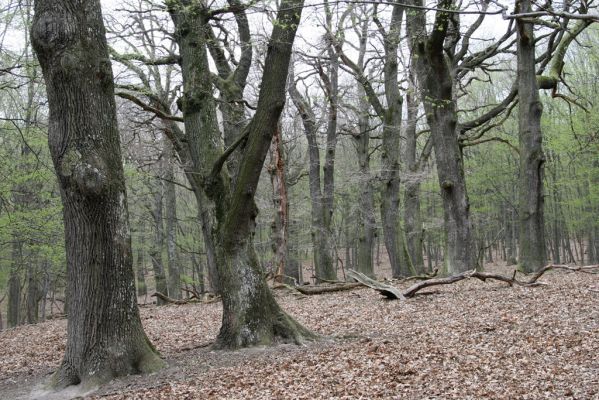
<point x="69" y="161"/>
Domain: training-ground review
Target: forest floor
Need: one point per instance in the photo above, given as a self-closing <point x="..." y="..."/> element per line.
<point x="469" y="340"/>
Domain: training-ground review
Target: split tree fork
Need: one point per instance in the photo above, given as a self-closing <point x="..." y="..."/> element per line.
<point x="105" y="338"/>
<point x="251" y="315"/>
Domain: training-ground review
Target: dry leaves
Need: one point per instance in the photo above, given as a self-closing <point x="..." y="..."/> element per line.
<point x="470" y="340"/>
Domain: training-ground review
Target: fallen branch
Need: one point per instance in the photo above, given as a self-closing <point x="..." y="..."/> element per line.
<point x="393" y="293"/>
<point x="193" y="293"/>
<point x="319" y="289"/>
<point x="310" y="290"/>
<point x="167" y="299"/>
<point x="423" y="277"/>
<point x="388" y="291"/>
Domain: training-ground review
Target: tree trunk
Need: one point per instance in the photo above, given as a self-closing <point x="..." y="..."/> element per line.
<point x="320" y="234"/>
<point x="14" y="288"/>
<point x="33" y="293"/>
<point x="142" y="289"/>
<point x="158" y="244"/>
<point x="530" y="202"/>
<point x="366" y="223"/>
<point x="435" y="79"/>
<point x="170" y="194"/>
<point x="281" y="205"/>
<point x="251" y="315"/>
<point x="105" y="338"/>
<point x="412" y="216"/>
<point x="390" y="205"/>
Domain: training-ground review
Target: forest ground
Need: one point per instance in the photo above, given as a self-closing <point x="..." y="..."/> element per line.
<point x="469" y="340"/>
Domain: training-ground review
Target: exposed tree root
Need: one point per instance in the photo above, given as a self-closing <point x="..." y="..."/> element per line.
<point x="393" y="293"/>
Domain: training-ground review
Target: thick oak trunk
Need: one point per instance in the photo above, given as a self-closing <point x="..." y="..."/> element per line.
<point x="435" y="79"/>
<point x="532" y="251"/>
<point x="105" y="337"/>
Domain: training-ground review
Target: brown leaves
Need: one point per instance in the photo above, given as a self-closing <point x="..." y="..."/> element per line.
<point x="470" y="340"/>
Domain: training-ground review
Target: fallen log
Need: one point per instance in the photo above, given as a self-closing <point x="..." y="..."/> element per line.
<point x="388" y="291"/>
<point x="320" y="289"/>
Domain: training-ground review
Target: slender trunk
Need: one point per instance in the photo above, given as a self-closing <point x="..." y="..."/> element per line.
<point x="45" y="289"/>
<point x="331" y="81"/>
<point x="105" y="337"/>
<point x="14" y="288"/>
<point x="281" y="205"/>
<point x="532" y="159"/>
<point x="366" y="220"/>
<point x="320" y="234"/>
<point x="142" y="289"/>
<point x="412" y="216"/>
<point x="158" y="244"/>
<point x="170" y="194"/>
<point x="33" y="293"/>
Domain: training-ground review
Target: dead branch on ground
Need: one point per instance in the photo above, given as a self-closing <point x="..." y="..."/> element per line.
<point x="393" y="293"/>
<point x="388" y="291"/>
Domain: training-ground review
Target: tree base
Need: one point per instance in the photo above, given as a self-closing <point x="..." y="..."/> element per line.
<point x="100" y="370"/>
<point x="281" y="328"/>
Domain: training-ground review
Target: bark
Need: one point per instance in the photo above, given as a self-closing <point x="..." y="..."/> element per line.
<point x="530" y="202"/>
<point x="436" y="80"/>
<point x="158" y="244"/>
<point x="170" y="194"/>
<point x="105" y="338"/>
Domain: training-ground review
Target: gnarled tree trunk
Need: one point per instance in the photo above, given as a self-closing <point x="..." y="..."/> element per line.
<point x="105" y="337"/>
<point x="251" y="315"/>
<point x="435" y="79"/>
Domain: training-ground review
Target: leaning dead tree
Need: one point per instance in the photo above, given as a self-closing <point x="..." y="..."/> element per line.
<point x="394" y="293"/>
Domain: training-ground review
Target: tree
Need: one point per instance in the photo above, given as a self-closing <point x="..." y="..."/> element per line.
<point x="530" y="209"/>
<point x="251" y="315"/>
<point x="390" y="115"/>
<point x="105" y="337"/>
